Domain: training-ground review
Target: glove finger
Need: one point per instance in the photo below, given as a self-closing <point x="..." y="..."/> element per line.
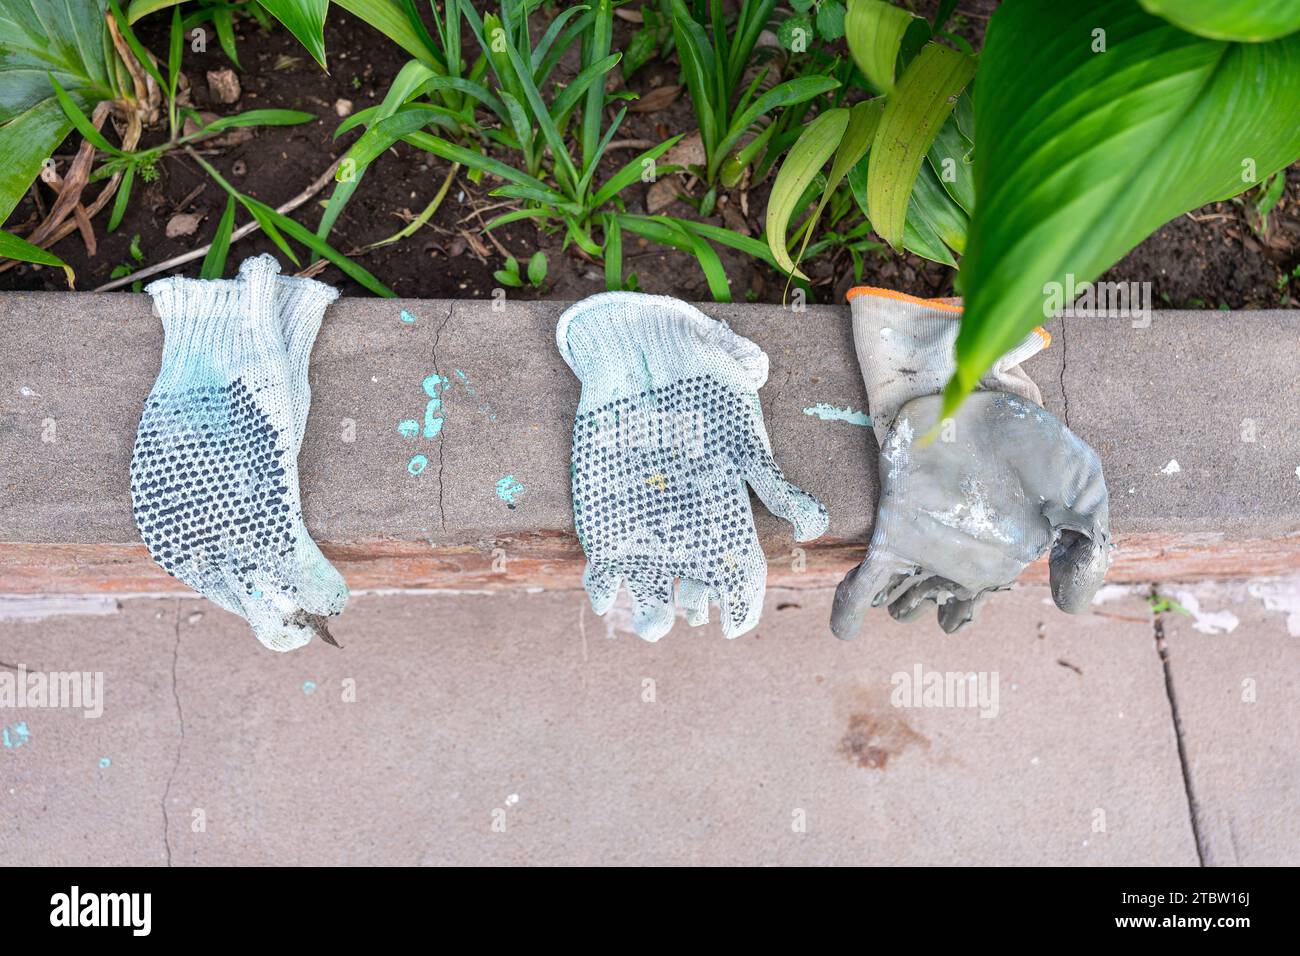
<point x="601" y="584"/>
<point x="693" y="595"/>
<point x="781" y="496"/>
<point x="652" y="603"/>
<point x="275" y="617"/>
<point x="958" y="612"/>
<point x="320" y="587"/>
<point x="858" y="591"/>
<point x="1076" y="570"/>
<point x="934" y="589"/>
<point x="740" y="596"/>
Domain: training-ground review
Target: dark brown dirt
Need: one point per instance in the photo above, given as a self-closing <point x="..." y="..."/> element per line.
<point x="1208" y="259"/>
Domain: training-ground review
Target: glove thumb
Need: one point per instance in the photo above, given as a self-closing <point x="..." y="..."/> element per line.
<point x="1080" y="558"/>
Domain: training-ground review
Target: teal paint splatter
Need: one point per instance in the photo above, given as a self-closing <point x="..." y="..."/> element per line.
<point x="509" y="490"/>
<point x="408" y="318"/>
<point x="105" y="763"/>
<point x="417" y="464"/>
<point x="308" y="686"/>
<point x="433" y="386"/>
<point x="829" y="413"/>
<point x="408" y="428"/>
<point x="15" y="736"/>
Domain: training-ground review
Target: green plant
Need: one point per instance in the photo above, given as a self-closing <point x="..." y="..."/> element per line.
<point x="220" y="13"/>
<point x="536" y="273"/>
<point x="123" y="163"/>
<point x="558" y="135"/>
<point x="821" y="18"/>
<point x="905" y="154"/>
<point x="93" y="66"/>
<point x="653" y="38"/>
<point x="714" y="61"/>
<point x="1096" y="125"/>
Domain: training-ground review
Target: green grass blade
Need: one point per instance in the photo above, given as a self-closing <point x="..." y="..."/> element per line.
<point x="14" y="247"/>
<point x="214" y="263"/>
<point x="122" y="198"/>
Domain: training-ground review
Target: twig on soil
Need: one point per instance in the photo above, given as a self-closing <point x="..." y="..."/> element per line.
<point x="320" y="183"/>
<point x="632" y="144"/>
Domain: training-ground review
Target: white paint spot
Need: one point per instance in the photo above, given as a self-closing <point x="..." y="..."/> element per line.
<point x="26" y="392"/>
<point x="38" y="607"/>
<point x="1172" y="468"/>
<point x="1114" y="592"/>
<point x="1283" y="595"/>
<point x="512" y="799"/>
<point x="1207" y="622"/>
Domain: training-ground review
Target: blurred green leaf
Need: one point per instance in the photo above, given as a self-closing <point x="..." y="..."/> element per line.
<point x="1244" y="20"/>
<point x="1082" y="155"/>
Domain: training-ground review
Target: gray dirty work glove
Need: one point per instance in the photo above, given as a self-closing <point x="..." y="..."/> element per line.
<point x="214" y="476"/>
<point x="667" y="433"/>
<point x="1000" y="485"/>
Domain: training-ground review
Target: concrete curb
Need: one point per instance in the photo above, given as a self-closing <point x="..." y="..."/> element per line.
<point x="1204" y="389"/>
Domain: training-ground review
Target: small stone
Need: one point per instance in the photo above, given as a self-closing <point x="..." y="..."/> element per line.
<point x="183" y="224"/>
<point x="343" y="108"/>
<point x="223" y="85"/>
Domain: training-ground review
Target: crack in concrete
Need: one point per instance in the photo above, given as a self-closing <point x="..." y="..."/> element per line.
<point x="442" y="435"/>
<point x="1193" y="806"/>
<point x="1065" y="396"/>
<point x="180" y="717"/>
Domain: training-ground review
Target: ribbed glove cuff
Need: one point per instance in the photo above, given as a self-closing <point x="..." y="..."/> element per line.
<point x="905" y="350"/>
<point x="249" y="319"/>
<point x="656" y="340"/>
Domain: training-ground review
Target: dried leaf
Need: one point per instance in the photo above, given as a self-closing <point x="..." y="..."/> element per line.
<point x="656" y="100"/>
<point x="223" y="85"/>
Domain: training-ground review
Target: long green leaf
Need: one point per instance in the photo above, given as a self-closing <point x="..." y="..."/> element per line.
<point x="785" y="94"/>
<point x="914" y="112"/>
<point x="273" y="117"/>
<point x="1082" y="155"/>
<point x="698" y="69"/>
<point x="14" y="247"/>
<point x="473" y="160"/>
<point x="630" y="173"/>
<point x="214" y="263"/>
<point x="864" y="118"/>
<point x="81" y="121"/>
<point x="1246" y="20"/>
<point x="390" y="19"/>
<point x="874" y="31"/>
<point x="613" y="254"/>
<point x="404" y="86"/>
<point x="950" y="158"/>
<point x="597" y="51"/>
<point x="802" y="164"/>
<point x="305" y="19"/>
<point x="122" y="198"/>
<point x="322" y="248"/>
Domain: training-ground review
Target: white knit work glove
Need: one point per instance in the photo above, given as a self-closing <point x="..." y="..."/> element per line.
<point x="667" y="433"/>
<point x="214" y="475"/>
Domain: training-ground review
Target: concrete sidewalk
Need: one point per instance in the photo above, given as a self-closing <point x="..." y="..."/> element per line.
<point x="520" y="728"/>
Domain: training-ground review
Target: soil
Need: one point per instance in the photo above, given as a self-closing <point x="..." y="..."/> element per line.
<point x="1211" y="258"/>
